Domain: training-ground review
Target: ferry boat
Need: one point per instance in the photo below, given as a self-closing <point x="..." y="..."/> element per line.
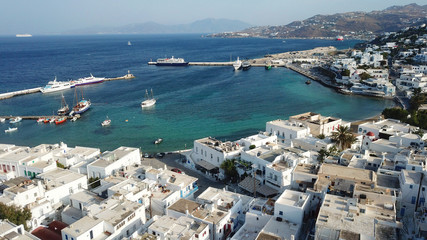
<point x="15" y="120"/>
<point x="23" y="35"/>
<point x="54" y="86"/>
<point x="64" y="107"/>
<point x="88" y="80"/>
<point x="149" y="99"/>
<point x="237" y="64"/>
<point x="340" y="38"/>
<point x="246" y="65"/>
<point x="106" y="122"/>
<point x="60" y="120"/>
<point x="10" y="129"/>
<point x="171" y="62"/>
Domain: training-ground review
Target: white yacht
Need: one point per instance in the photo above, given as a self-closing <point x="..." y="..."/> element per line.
<point x="10" y="129"/>
<point x="237" y="64"/>
<point x="54" y="86"/>
<point x="149" y="100"/>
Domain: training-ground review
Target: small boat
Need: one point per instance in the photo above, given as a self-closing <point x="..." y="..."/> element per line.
<point x="64" y="107"/>
<point x="308" y="82"/>
<point x="74" y="119"/>
<point x="52" y="120"/>
<point x="267" y="65"/>
<point x="2" y="120"/>
<point x="40" y="120"/>
<point x="149" y="99"/>
<point x="158" y="141"/>
<point x="10" y="129"/>
<point x="246" y="65"/>
<point x="129" y="43"/>
<point x="15" y="120"/>
<point x="60" y="120"/>
<point x="106" y="122"/>
<point x="46" y="120"/>
<point x="237" y="64"/>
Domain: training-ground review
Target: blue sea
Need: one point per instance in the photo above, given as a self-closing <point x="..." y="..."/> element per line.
<point x="192" y="102"/>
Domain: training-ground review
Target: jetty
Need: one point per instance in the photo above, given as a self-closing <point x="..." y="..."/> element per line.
<point x="20" y="92"/>
<point x="35" y="117"/>
<point x="127" y="76"/>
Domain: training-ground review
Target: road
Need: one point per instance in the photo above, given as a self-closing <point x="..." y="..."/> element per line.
<point x="172" y="161"/>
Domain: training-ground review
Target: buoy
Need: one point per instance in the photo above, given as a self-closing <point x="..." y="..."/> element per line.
<point x="126" y="120"/>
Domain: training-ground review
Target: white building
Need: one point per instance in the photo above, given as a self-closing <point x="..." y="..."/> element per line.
<point x="285" y="129"/>
<point x="317" y="123"/>
<point x="385" y="128"/>
<point x="213" y="151"/>
<point x="167" y="227"/>
<point x="76" y="158"/>
<point x="292" y="206"/>
<point x="411" y="81"/>
<point x="112" y="219"/>
<point x="112" y="162"/>
<point x="257" y="140"/>
<point x="9" y="230"/>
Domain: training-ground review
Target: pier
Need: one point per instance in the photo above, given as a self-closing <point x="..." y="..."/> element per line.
<point x="127" y="76"/>
<point x="20" y="92"/>
<point x="35" y="117"/>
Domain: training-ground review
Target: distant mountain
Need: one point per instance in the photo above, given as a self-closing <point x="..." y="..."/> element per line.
<point x="350" y="25"/>
<point x="209" y="25"/>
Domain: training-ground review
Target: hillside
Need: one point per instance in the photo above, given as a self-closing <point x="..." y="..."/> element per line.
<point x="360" y="25"/>
<point x="209" y="25"/>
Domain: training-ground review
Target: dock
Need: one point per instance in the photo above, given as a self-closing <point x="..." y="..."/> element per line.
<point x="127" y="76"/>
<point x="20" y="92"/>
<point x="35" y="117"/>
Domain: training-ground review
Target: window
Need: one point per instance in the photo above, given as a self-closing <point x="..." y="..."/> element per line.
<point x="201" y="151"/>
<point x="197" y="150"/>
<point x="66" y="237"/>
<point x="281" y="213"/>
<point x="211" y="156"/>
<point x="13" y="168"/>
<point x="413" y="168"/>
<point x="410" y="186"/>
<point x="91" y="234"/>
<point x="423" y="189"/>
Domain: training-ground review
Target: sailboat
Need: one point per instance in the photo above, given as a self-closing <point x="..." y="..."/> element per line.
<point x="149" y="100"/>
<point x="129" y="43"/>
<point x="82" y="106"/>
<point x="64" y="107"/>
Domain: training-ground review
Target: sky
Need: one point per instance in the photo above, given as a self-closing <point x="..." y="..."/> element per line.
<point x="57" y="16"/>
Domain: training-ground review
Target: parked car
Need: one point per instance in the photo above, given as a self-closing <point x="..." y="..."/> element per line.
<point x="177" y="170"/>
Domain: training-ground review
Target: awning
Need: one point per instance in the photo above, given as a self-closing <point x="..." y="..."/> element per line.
<point x="248" y="184"/>
<point x="266" y="190"/>
<point x="206" y="165"/>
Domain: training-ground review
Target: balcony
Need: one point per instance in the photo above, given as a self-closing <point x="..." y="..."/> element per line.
<point x="195" y="188"/>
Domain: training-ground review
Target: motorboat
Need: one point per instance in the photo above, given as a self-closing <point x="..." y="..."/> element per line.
<point x="10" y="129"/>
<point x="106" y="122"/>
<point x="60" y="120"/>
<point x="2" y="120"/>
<point x="15" y="120"/>
<point x="158" y="141"/>
<point x="246" y="65"/>
<point x="40" y="120"/>
<point x="237" y="64"/>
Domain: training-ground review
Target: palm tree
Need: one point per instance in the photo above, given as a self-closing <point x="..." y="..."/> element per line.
<point x="343" y="137"/>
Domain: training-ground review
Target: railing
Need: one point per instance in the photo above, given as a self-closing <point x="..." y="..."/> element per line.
<point x="191" y="192"/>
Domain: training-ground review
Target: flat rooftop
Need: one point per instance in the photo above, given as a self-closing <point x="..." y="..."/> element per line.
<point x="292" y="198"/>
<point x="278" y="230"/>
<point x="81" y="226"/>
<point x="218" y="145"/>
<point x="288" y="124"/>
<point x="306" y="168"/>
<point x="212" y="195"/>
<point x="346" y="172"/>
<point x="59" y="177"/>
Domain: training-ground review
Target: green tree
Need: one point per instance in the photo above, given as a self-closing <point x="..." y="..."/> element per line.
<point x="322" y="154"/>
<point x="364" y="76"/>
<point x="321" y="136"/>
<point x="396" y="113"/>
<point x="343" y="137"/>
<point x="346" y="72"/>
<point x="417" y="99"/>
<point x="15" y="214"/>
<point x="230" y="171"/>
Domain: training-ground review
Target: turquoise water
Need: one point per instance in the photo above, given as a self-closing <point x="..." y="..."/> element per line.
<point x="193" y="102"/>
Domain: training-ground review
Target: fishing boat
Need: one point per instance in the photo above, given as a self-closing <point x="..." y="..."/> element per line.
<point x="2" y="120"/>
<point x="246" y="65"/>
<point x="267" y="65"/>
<point x="54" y="86"/>
<point x="15" y="120"/>
<point x="87" y="80"/>
<point x="10" y="129"/>
<point x="40" y="120"/>
<point x="46" y="120"/>
<point x="60" y="120"/>
<point x="237" y="64"/>
<point x="158" y="141"/>
<point x="129" y="43"/>
<point x="82" y="106"/>
<point x="52" y="120"/>
<point x="64" y="107"/>
<point x="106" y="122"/>
<point x="74" y="119"/>
<point x="308" y="82"/>
<point x="171" y="62"/>
<point x="149" y="99"/>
